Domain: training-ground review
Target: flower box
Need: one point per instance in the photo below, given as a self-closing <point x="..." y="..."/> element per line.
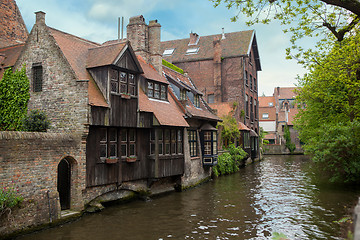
<point x="126" y="96"/>
<point x="131" y="159"/>
<point x="111" y="160"/>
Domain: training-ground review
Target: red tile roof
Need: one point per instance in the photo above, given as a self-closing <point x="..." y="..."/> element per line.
<point x="75" y="50"/>
<point x="199" y="112"/>
<point x="286" y="93"/>
<point x="167" y="113"/>
<point x="223" y="109"/>
<point x="235" y="44"/>
<point x="96" y="98"/>
<point x="104" y="55"/>
<point x="8" y="57"/>
<point x="264" y="101"/>
<point x="150" y="72"/>
<point x="12" y="27"/>
<point x="243" y="127"/>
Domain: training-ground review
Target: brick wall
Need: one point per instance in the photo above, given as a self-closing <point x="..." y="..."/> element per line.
<point x="63" y="97"/>
<point x="28" y="162"/>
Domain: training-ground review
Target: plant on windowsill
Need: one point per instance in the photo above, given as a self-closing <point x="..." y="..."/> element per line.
<point x="131" y="159"/>
<point x="125" y="95"/>
<point x="111" y="160"/>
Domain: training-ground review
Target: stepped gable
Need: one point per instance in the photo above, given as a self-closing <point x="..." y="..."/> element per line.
<point x="12" y="27"/>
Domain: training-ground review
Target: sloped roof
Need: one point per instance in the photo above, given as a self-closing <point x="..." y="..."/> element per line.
<point x="12" y="27"/>
<point x="286" y="93"/>
<point x="8" y="57"/>
<point x="105" y="54"/>
<point x="198" y="112"/>
<point x="75" y="50"/>
<point x="167" y="113"/>
<point x="235" y="44"/>
<point x="264" y="101"/>
<point x="96" y="98"/>
<point x="223" y="108"/>
<point x="243" y="127"/>
<point x="150" y="72"/>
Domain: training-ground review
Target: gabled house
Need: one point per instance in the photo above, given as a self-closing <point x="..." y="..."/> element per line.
<point x="286" y="110"/>
<point x="224" y="67"/>
<point x="130" y="128"/>
<point x="267" y="118"/>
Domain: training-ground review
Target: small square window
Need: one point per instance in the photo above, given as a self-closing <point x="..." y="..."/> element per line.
<point x="169" y="51"/>
<point x="265" y="116"/>
<point x="192" y="51"/>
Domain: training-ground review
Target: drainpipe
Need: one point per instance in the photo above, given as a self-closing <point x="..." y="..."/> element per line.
<point x="48" y="197"/>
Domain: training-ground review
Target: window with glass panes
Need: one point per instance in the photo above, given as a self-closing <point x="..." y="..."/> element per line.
<point x="170" y="141"/>
<point x="183" y="94"/>
<point x="192" y="134"/>
<point x="108" y="143"/>
<point x="157" y="90"/>
<point x="197" y="101"/>
<point x="37" y="72"/>
<point x="210" y="143"/>
<point x="128" y="142"/>
<point x="122" y="82"/>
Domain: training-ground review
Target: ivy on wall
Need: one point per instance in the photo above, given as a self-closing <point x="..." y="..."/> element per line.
<point x="14" y="97"/>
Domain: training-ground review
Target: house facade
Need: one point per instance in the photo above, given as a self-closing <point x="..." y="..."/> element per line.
<point x="278" y="111"/>
<point x="224" y="67"/>
<point x="267" y="118"/>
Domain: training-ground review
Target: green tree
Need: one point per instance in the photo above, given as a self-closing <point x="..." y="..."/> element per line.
<point x="288" y="143"/>
<point x="327" y="20"/>
<point x="14" y="97"/>
<point x="36" y="121"/>
<point x="329" y="125"/>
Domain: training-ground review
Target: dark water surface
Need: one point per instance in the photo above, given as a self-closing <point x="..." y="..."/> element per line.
<point x="275" y="195"/>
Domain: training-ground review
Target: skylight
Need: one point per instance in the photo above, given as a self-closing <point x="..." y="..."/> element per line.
<point x="192" y="51"/>
<point x="169" y="51"/>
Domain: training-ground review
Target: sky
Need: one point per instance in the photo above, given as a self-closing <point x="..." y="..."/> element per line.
<point x="97" y="20"/>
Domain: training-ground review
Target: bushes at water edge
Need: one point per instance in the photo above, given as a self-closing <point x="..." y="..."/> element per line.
<point x="229" y="161"/>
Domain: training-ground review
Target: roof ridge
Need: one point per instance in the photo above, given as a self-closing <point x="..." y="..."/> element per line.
<point x="212" y="35"/>
<point x="74" y="36"/>
<point x="110" y="44"/>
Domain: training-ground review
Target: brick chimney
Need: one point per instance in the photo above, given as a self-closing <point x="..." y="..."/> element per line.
<point x="137" y="34"/>
<point x="154" y="45"/>
<point x="40" y="17"/>
<point x="194" y="39"/>
<point x="145" y="40"/>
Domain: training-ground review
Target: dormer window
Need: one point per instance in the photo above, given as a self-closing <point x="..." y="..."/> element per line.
<point x="183" y="95"/>
<point x="122" y="82"/>
<point x="157" y="90"/>
<point x="197" y="101"/>
<point x="192" y="51"/>
<point x="168" y="52"/>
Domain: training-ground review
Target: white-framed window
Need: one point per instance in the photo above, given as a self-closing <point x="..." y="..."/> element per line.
<point x="192" y="51"/>
<point x="271" y="104"/>
<point x="168" y="51"/>
<point x="265" y="116"/>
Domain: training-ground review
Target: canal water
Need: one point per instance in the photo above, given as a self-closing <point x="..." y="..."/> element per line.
<point x="274" y="195"/>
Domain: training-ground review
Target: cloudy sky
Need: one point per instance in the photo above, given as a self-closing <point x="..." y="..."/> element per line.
<point x="97" y="20"/>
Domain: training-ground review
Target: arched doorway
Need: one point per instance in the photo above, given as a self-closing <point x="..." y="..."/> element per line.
<point x="64" y="183"/>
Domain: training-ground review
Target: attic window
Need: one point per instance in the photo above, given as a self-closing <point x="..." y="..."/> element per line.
<point x="157" y="90"/>
<point x="37" y="71"/>
<point x="197" y="101"/>
<point x="192" y="51"/>
<point x="168" y="52"/>
<point x="271" y="104"/>
<point x="122" y="82"/>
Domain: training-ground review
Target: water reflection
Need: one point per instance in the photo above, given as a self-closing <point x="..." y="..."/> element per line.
<point x="275" y="195"/>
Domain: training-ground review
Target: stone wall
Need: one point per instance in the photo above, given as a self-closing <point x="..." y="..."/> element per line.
<point x="28" y="163"/>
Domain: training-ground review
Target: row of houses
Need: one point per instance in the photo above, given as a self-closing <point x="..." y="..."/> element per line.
<point x="278" y="111"/>
<point x="135" y="122"/>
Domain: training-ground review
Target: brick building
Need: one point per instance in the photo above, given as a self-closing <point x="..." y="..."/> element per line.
<point x="267" y="118"/>
<point x="127" y="129"/>
<point x="224" y="67"/>
<point x="278" y="111"/>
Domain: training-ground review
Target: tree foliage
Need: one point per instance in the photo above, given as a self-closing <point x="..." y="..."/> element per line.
<point x="229" y="129"/>
<point x="36" y="121"/>
<point x="14" y="97"/>
<point x="329" y="125"/>
<point x="288" y="143"/>
<point x="327" y="20"/>
<point x="230" y="161"/>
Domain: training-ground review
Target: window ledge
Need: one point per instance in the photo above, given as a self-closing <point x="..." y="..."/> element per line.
<point x="195" y="158"/>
